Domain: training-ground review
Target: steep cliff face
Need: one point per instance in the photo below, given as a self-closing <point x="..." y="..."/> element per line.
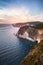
<point x="28" y="32"/>
<point x="35" y="57"/>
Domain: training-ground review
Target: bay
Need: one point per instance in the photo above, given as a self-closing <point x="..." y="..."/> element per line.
<point x="13" y="49"/>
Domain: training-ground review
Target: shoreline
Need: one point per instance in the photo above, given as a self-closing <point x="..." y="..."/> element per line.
<point x="34" y="51"/>
<point x="28" y="38"/>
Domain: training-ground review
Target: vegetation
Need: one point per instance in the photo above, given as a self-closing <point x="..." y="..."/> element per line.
<point x="35" y="57"/>
<point x="39" y="26"/>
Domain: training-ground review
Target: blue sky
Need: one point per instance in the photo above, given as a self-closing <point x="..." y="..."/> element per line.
<point x="35" y="7"/>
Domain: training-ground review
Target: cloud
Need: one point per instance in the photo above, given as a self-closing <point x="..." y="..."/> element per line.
<point x="16" y="15"/>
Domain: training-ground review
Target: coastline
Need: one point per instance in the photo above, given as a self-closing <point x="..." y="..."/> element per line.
<point x="28" y="38"/>
<point x="34" y="52"/>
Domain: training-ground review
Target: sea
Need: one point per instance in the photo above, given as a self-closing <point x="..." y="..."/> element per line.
<point x="13" y="49"/>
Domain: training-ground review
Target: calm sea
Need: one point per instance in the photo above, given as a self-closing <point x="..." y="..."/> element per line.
<point x="12" y="49"/>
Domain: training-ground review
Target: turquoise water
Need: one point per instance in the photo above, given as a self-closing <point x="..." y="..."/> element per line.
<point x="13" y="49"/>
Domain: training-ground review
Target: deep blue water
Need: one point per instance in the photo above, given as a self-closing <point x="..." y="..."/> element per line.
<point x="13" y="49"/>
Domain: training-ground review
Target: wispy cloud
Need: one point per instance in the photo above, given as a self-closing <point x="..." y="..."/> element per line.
<point x="16" y="15"/>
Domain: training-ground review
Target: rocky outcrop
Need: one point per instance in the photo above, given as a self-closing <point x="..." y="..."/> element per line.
<point x="29" y="33"/>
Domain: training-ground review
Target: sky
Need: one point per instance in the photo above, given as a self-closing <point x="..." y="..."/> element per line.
<point x="17" y="11"/>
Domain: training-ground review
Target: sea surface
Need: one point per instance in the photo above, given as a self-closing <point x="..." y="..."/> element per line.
<point x="13" y="49"/>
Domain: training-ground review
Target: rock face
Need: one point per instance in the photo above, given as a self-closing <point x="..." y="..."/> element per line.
<point x="28" y="32"/>
<point x="35" y="57"/>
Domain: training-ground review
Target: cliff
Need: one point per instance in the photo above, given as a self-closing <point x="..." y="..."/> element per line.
<point x="35" y="57"/>
<point x="33" y="32"/>
<point x="28" y="32"/>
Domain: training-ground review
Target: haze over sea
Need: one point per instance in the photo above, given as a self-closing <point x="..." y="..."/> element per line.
<point x="12" y="49"/>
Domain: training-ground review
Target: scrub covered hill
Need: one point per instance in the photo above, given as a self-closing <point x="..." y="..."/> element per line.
<point x="39" y="26"/>
<point x="35" y="57"/>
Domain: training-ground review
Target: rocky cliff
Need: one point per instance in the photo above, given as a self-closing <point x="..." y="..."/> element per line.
<point x="29" y="33"/>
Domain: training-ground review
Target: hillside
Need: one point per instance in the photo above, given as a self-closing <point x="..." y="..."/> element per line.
<point x="35" y="57"/>
<point x="34" y="23"/>
<point x="39" y="26"/>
